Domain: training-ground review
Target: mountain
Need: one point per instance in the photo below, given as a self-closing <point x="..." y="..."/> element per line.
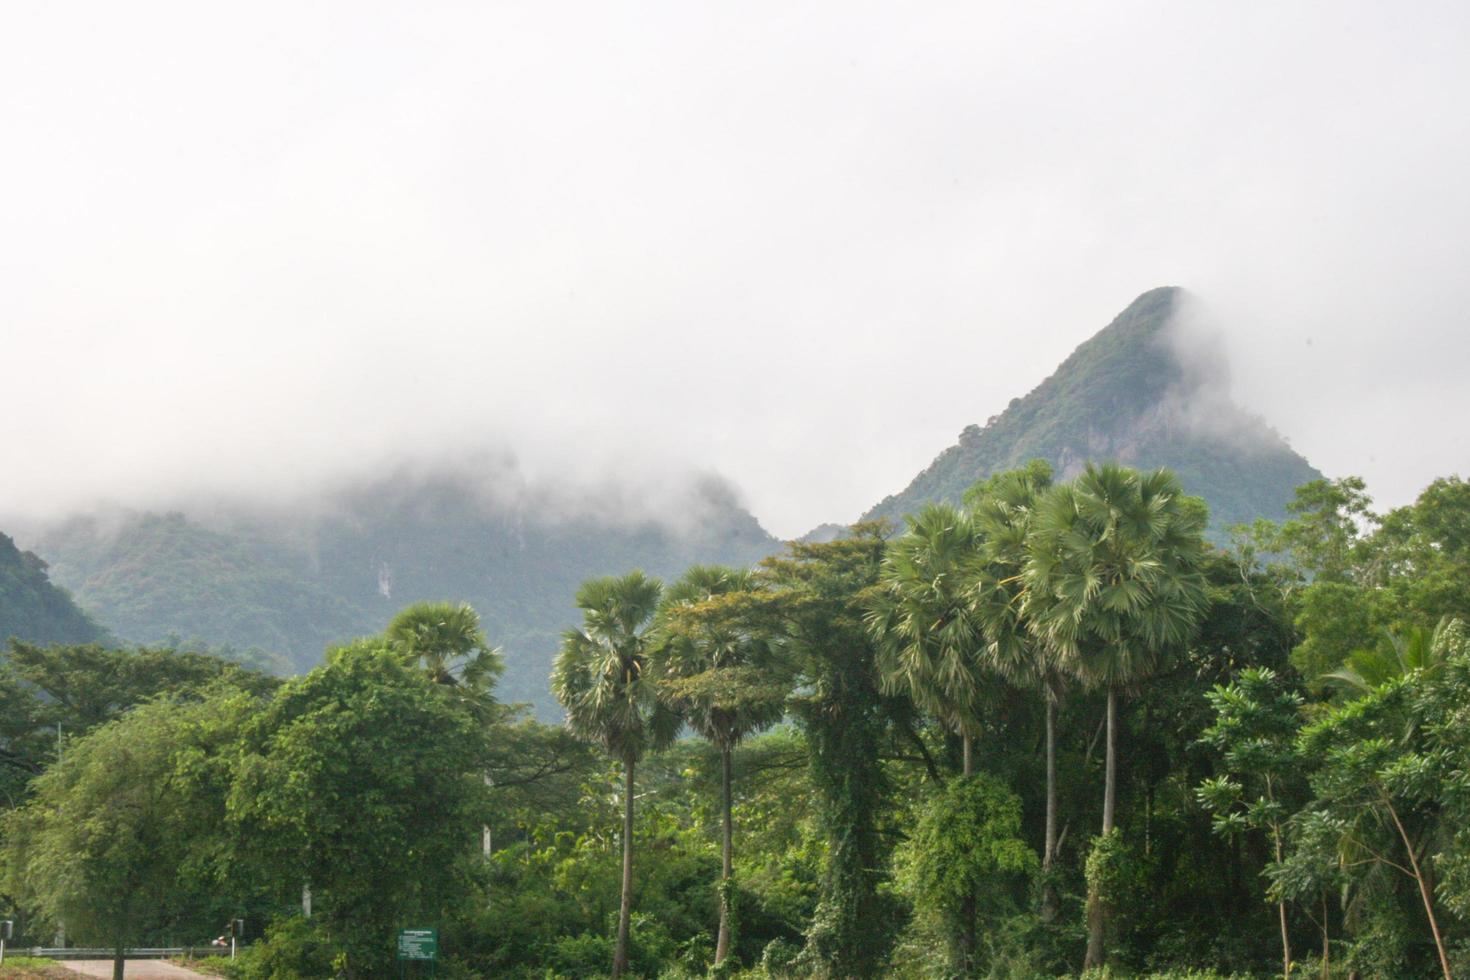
<point x="33" y="609"/>
<point x="1151" y="389"/>
<point x="294" y="579"/>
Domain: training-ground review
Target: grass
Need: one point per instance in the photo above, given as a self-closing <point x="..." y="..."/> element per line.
<point x="33" y="968"/>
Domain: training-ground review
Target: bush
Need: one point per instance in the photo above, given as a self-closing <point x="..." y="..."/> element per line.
<point x="293" y="948"/>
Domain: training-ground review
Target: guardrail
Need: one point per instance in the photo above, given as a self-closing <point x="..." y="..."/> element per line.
<point x="103" y="953"/>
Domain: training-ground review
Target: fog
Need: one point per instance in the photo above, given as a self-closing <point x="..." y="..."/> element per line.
<point x="262" y="248"/>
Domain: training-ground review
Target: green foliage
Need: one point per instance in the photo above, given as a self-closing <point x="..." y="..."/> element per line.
<point x="965" y="857"/>
<point x="817" y="592"/>
<point x="1113" y="872"/>
<point x="446" y="642"/>
<point x="923" y="619"/>
<point x="360" y="780"/>
<point x="602" y="675"/>
<point x="1114" y="580"/>
<point x="157" y="579"/>
<point x="123" y="835"/>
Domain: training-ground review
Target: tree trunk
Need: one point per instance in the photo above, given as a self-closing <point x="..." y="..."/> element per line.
<point x="727" y="869"/>
<point x="1096" y="913"/>
<point x="1326" y="941"/>
<point x="1110" y="785"/>
<point x="1444" y="961"/>
<point x="1281" y="910"/>
<point x="964" y="948"/>
<point x="117" y="963"/>
<point x="620" y="953"/>
<point x="1049" y="900"/>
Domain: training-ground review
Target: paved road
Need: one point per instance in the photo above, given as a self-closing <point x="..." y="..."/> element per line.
<point x="135" y="970"/>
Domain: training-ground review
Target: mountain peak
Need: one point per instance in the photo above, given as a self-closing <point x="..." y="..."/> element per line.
<point x="1149" y="389"/>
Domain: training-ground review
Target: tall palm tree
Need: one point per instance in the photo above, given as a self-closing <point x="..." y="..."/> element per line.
<point x="930" y="644"/>
<point x="1114" y="585"/>
<point x="1003" y="508"/>
<point x="922" y="618"/>
<point x="601" y="678"/>
<point x="724" y="678"/>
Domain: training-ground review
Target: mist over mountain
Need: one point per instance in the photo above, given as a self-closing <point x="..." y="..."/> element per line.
<point x="292" y="578"/>
<point x="1151" y="389"/>
<point x="278" y="579"/>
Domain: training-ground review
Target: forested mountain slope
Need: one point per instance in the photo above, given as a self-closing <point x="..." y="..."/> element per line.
<point x="292" y="580"/>
<point x="1151" y="389"/>
<point x="32" y="608"/>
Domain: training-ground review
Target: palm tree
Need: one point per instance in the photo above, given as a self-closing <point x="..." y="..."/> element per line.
<point x="1396" y="655"/>
<point x="1113" y="585"/>
<point x="922" y="618"/>
<point x="601" y="679"/>
<point x="930" y="644"/>
<point x="723" y="678"/>
<point x="447" y="643"/>
<point x="1003" y="508"/>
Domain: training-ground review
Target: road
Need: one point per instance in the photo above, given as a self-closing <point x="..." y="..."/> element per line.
<point x="135" y="970"/>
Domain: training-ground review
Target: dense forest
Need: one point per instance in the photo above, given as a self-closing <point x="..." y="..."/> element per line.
<point x="1047" y="729"/>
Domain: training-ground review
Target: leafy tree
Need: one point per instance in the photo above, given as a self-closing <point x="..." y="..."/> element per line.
<point x="47" y="692"/>
<point x="1113" y="585"/>
<point x="1256" y="720"/>
<point x="363" y="780"/>
<point x="815" y="601"/>
<point x="602" y="679"/>
<point x="965" y="843"/>
<point x="1325" y="535"/>
<point x="124" y="830"/>
<point x="725" y="678"/>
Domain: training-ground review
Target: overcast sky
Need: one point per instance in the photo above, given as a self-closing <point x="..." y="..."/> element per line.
<point x="800" y="244"/>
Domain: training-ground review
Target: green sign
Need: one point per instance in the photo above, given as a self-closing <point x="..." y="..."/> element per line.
<point x="418" y="944"/>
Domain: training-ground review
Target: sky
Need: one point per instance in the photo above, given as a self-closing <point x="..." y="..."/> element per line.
<point x="799" y="244"/>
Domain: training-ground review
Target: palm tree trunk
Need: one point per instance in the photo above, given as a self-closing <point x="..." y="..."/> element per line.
<point x="1096" y="913"/>
<point x="620" y="953"/>
<point x="1049" y="901"/>
<point x="722" y="944"/>
<point x="967" y="751"/>
<point x="1110" y="786"/>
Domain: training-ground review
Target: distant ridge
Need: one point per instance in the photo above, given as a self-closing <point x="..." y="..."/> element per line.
<point x="33" y="609"/>
<point x="1149" y="390"/>
<point x="292" y="581"/>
